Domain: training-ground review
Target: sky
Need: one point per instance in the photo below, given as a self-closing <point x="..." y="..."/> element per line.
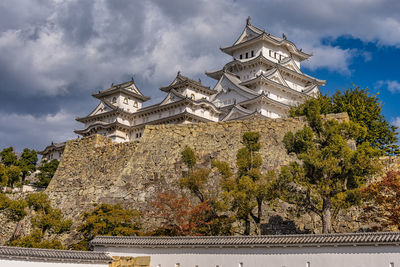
<point x="55" y="53"/>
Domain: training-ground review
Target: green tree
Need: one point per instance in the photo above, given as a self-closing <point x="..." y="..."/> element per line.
<point x="189" y="157"/>
<point x="8" y="156"/>
<point x="216" y="222"/>
<point x="35" y="240"/>
<point x="46" y="221"/>
<point x="12" y="175"/>
<point x="51" y="222"/>
<point x="39" y="202"/>
<point x="362" y="108"/>
<point x="47" y="171"/>
<point x="108" y="219"/>
<point x="27" y="162"/>
<point x="250" y="189"/>
<point x="3" y="177"/>
<point x="330" y="174"/>
<point x="13" y="209"/>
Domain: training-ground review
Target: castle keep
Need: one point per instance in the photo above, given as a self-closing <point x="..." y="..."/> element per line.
<point x="263" y="79"/>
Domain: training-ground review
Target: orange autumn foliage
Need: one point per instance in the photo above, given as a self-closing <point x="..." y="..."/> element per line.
<point x="385" y="194"/>
<point x="178" y="215"/>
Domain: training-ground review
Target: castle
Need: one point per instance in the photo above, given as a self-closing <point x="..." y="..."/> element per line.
<point x="263" y="79"/>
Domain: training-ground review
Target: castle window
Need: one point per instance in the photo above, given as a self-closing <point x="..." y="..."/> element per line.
<point x="114" y="100"/>
<point x="247" y="54"/>
<point x="241" y="56"/>
<point x="252" y="53"/>
<point x="135" y="104"/>
<point x="125" y="100"/>
<point x="270" y="53"/>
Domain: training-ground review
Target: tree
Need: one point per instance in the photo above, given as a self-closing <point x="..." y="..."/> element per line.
<point x="8" y="156"/>
<point x="13" y="209"/>
<point x="46" y="221"/>
<point x="3" y="177"/>
<point x="197" y="182"/>
<point x="329" y="174"/>
<point x="47" y="171"/>
<point x="247" y="192"/>
<point x="35" y="240"/>
<point x="39" y="202"/>
<point x="27" y="162"/>
<point x="362" y="108"/>
<point x="179" y="216"/>
<point x="12" y="175"/>
<point x="108" y="219"/>
<point x="385" y="196"/>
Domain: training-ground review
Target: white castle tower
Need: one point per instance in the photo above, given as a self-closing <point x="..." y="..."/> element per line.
<point x="263" y="79"/>
<point x="264" y="76"/>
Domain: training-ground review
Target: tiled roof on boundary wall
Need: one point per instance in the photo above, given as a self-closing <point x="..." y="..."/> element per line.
<point x="55" y="255"/>
<point x="352" y="239"/>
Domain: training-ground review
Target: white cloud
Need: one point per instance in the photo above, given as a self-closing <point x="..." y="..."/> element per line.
<point x="396" y="122"/>
<point x="392" y="86"/>
<point x="36" y="132"/>
<point x="68" y="49"/>
<point x="331" y="58"/>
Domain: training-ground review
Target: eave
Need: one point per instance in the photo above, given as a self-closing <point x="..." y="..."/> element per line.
<point x="102" y="125"/>
<point x="184" y="115"/>
<point x="262" y="78"/>
<point x="262" y="59"/>
<point x="230" y="77"/>
<point x="253" y="115"/>
<point x="265" y="37"/>
<point x="188" y="83"/>
<point x="104" y="114"/>
<point x="184" y="101"/>
<point x="55" y="146"/>
<point x="215" y="74"/>
<point x="112" y="91"/>
<point x="236" y="108"/>
<point x="267" y="99"/>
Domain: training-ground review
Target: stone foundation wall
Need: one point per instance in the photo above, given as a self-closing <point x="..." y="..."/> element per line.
<point x="95" y="170"/>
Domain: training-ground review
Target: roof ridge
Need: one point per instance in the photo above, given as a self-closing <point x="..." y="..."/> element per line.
<point x="252" y="236"/>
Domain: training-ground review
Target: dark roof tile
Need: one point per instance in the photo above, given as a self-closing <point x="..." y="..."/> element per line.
<point x="37" y="254"/>
<point x="252" y="241"/>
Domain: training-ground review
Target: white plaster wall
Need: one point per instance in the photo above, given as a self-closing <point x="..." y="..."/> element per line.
<point x="197" y="95"/>
<point x="281" y="51"/>
<point x="256" y="48"/>
<point x="198" y="111"/>
<point x="294" y="84"/>
<point x="130" y="106"/>
<point x="54" y="155"/>
<point x="228" y="97"/>
<point x="14" y="263"/>
<point x="121" y="120"/>
<point x="380" y="256"/>
<point x="268" y="111"/>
